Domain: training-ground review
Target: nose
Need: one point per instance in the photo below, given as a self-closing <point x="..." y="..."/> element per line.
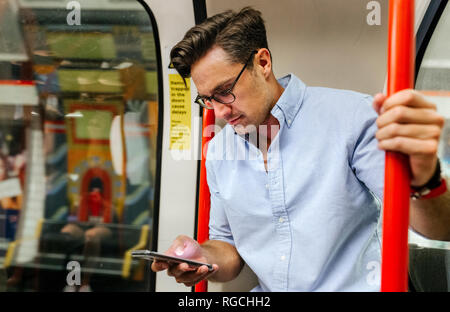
<point x="222" y="111"/>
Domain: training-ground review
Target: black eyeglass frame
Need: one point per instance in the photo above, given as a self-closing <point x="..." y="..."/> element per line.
<point x="200" y="100"/>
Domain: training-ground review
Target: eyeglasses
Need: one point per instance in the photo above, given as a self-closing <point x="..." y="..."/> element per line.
<point x="225" y="96"/>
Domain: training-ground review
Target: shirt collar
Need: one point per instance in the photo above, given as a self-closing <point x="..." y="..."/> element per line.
<point x="290" y="100"/>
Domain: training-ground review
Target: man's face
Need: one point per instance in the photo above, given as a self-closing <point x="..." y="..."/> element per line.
<point x="214" y="73"/>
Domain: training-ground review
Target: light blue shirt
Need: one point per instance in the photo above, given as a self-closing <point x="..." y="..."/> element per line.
<point x="311" y="221"/>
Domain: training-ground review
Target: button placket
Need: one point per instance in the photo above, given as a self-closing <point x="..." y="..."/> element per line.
<point x="276" y="194"/>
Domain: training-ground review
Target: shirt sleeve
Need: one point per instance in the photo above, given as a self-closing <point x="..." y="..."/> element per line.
<point x="219" y="228"/>
<point x="367" y="160"/>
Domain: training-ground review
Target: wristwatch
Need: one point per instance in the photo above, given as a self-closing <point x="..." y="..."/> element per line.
<point x="434" y="187"/>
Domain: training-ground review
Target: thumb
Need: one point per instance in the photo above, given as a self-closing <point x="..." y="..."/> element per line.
<point x="184" y="247"/>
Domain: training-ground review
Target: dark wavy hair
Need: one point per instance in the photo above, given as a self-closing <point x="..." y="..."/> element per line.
<point x="238" y="34"/>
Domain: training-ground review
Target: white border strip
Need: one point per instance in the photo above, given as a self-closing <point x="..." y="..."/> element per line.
<point x="13" y="57"/>
<point x="18" y="95"/>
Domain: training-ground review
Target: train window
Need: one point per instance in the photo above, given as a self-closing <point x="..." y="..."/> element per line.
<point x="434" y="73"/>
<point x="434" y="79"/>
<point x="429" y="259"/>
<point x="79" y="135"/>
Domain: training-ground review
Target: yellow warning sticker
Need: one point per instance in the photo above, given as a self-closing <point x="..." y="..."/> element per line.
<point x="180" y="113"/>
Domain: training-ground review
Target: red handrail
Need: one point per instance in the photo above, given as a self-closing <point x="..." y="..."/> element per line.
<point x="394" y="262"/>
<point x="204" y="202"/>
<point x="17" y="82"/>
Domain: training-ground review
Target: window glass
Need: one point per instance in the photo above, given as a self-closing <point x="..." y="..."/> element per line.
<point x="78" y="144"/>
<point x="434" y="73"/>
<point x="430" y="259"/>
<point x="434" y="80"/>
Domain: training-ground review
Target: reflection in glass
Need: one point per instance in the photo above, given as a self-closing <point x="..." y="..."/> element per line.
<point x="86" y="209"/>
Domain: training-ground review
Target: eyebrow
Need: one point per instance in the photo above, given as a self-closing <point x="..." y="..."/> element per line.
<point x="220" y="85"/>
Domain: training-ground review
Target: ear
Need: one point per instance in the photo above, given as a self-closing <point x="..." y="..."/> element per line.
<point x="263" y="60"/>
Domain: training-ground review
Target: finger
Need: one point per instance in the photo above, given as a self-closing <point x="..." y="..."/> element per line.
<point x="214" y="270"/>
<point x="192" y="278"/>
<point x="408" y="130"/>
<point x="206" y="273"/>
<point x="410" y="146"/>
<point x="404" y="114"/>
<point x="185" y="247"/>
<point x="177" y="270"/>
<point x="410" y="98"/>
<point x="177" y="247"/>
<point x="193" y="283"/>
<point x="378" y="101"/>
<point x="158" y="266"/>
<point x="194" y="273"/>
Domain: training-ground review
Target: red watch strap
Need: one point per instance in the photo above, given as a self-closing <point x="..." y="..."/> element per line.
<point x="441" y="189"/>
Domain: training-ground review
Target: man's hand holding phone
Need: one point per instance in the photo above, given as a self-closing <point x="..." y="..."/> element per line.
<point x="185" y="247"/>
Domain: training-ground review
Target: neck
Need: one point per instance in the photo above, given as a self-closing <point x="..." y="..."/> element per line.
<point x="270" y="126"/>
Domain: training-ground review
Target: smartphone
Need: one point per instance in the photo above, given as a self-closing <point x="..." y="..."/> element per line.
<point x="153" y="255"/>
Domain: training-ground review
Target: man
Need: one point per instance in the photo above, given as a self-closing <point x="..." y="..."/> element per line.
<point x="302" y="207"/>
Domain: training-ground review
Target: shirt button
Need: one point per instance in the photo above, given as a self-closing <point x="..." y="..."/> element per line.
<point x="283" y="258"/>
<point x="289" y="121"/>
<point x="281" y="220"/>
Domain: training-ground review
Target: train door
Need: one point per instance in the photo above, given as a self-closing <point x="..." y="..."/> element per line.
<point x="81" y="133"/>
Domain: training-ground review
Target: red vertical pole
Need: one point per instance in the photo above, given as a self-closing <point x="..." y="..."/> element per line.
<point x="204" y="202"/>
<point x="394" y="263"/>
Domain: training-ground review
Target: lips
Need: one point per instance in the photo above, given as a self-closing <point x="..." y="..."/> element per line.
<point x="234" y="120"/>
